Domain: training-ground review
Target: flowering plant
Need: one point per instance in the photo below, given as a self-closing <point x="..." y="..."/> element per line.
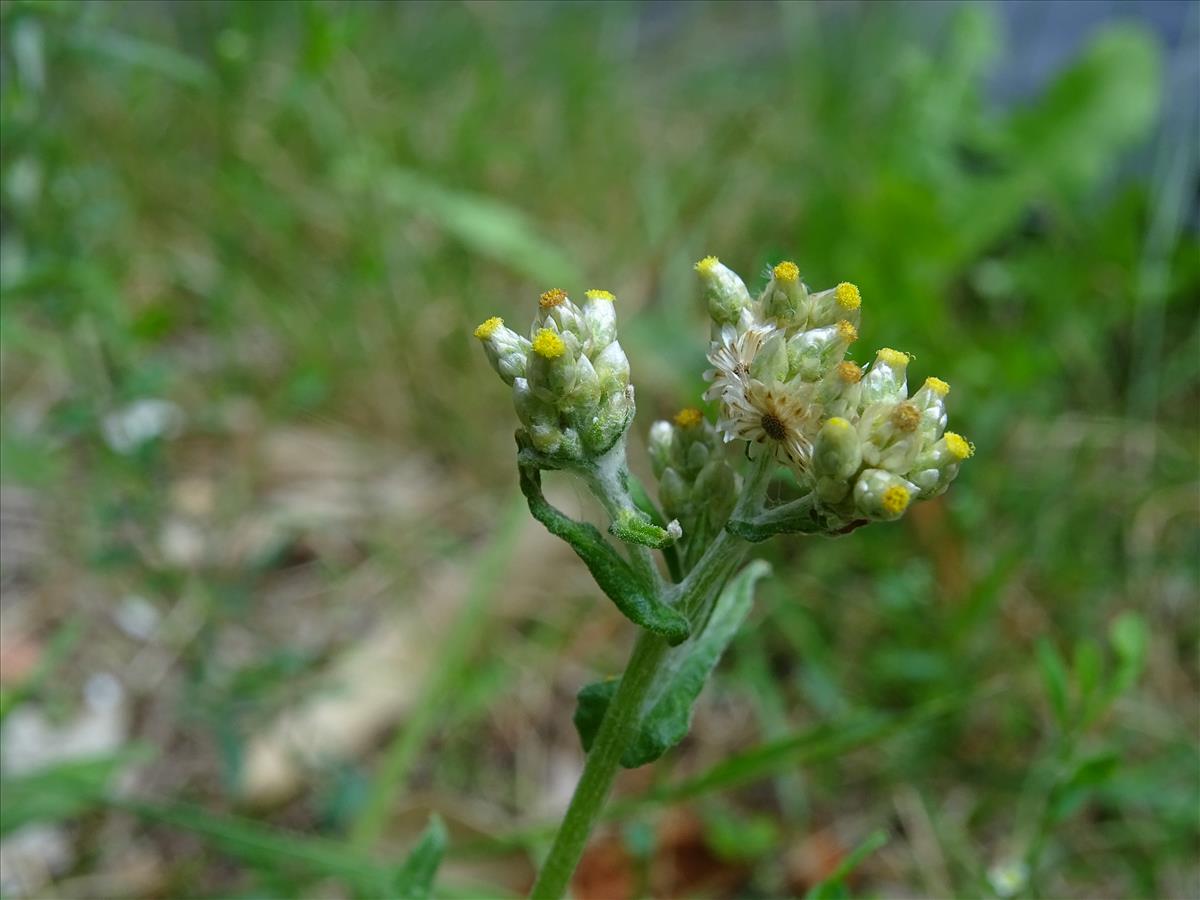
<point x="858" y="446"/>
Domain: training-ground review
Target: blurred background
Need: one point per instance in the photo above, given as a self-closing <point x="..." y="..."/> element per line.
<point x="269" y="600"/>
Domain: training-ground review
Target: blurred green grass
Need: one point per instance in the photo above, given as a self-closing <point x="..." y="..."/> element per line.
<point x="294" y="215"/>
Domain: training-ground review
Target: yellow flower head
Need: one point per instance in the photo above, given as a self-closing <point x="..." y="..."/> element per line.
<point x="847" y="332"/>
<point x="488" y="327"/>
<point x="894" y="357"/>
<point x="938" y="386"/>
<point x="548" y="344"/>
<point x="849" y="372"/>
<point x="786" y="271"/>
<point x="847" y="296"/>
<point x="895" y="500"/>
<point x="906" y="417"/>
<point x="552" y="298"/>
<point x="688" y="418"/>
<point x="959" y="446"/>
<point x="706" y="265"/>
<point x="597" y="294"/>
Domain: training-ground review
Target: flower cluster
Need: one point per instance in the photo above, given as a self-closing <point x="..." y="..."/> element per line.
<point x="696" y="484"/>
<point x="570" y="377"/>
<point x="853" y="437"/>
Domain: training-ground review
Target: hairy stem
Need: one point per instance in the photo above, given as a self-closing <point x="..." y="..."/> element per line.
<point x="645" y="665"/>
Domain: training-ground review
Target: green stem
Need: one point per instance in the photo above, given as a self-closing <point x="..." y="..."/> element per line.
<point x="624" y="710"/>
<point x="616" y="731"/>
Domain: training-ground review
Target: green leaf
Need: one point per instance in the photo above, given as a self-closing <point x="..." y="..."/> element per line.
<point x="483" y="224"/>
<point x="834" y="887"/>
<point x="274" y="849"/>
<point x="634" y="530"/>
<point x="668" y="714"/>
<point x="59" y="792"/>
<point x="1054" y="678"/>
<point x="614" y="576"/>
<point x="1129" y="637"/>
<point x="797" y="517"/>
<point x="415" y="878"/>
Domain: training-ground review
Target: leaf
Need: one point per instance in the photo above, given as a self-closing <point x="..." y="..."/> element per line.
<point x="634" y="530"/>
<point x="1054" y="678"/>
<point x="1129" y="637"/>
<point x="272" y="848"/>
<point x="668" y="715"/>
<point x="415" y="878"/>
<point x="1090" y="774"/>
<point x="797" y="517"/>
<point x="835" y="885"/>
<point x="59" y="792"/>
<point x="485" y="225"/>
<point x="614" y="576"/>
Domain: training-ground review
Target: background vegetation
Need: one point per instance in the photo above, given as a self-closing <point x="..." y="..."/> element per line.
<point x="263" y="565"/>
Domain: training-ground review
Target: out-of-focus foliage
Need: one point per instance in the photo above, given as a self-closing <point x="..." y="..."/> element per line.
<point x="270" y="215"/>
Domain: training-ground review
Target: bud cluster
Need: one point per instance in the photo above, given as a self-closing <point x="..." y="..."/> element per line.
<point x="696" y="484"/>
<point x="855" y="438"/>
<point x="570" y="377"/>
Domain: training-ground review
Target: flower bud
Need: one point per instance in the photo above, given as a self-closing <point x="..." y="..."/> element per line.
<point x="659" y="445"/>
<point x="840" y="390"/>
<point x="837" y="452"/>
<point x="556" y="310"/>
<point x="531" y="409"/>
<point x="724" y="291"/>
<point x="584" y="392"/>
<point x="882" y="495"/>
<point x="931" y="401"/>
<point x="834" y="305"/>
<point x="609" y="421"/>
<point x="785" y="299"/>
<point x="599" y="320"/>
<point x="886" y="380"/>
<point x="505" y="349"/>
<point x="612" y="368"/>
<point x="890" y="438"/>
<point x="813" y="353"/>
<point x="938" y="466"/>
<point x="771" y="362"/>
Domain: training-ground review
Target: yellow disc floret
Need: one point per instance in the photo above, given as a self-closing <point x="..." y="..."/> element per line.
<point x="548" y="344"/>
<point x="959" y="446"/>
<point x="786" y="271"/>
<point x="849" y="372"/>
<point x="688" y="418"/>
<point x="552" y="298"/>
<point x="847" y="295"/>
<point x="847" y="332"/>
<point x="893" y="357"/>
<point x="488" y="327"/>
<point x="597" y="294"/>
<point x="706" y="265"/>
<point x="838" y="422"/>
<point x="938" y="386"/>
<point x="906" y="417"/>
<point x="895" y="500"/>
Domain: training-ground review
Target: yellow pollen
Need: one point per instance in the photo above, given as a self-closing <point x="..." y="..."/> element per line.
<point x="838" y="422"/>
<point x="597" y="294"/>
<point x="488" y="327"/>
<point x="786" y="271"/>
<point x="847" y="332"/>
<point x="959" y="446"/>
<point x="548" y="344"/>
<point x="847" y="295"/>
<point x="688" y="418"/>
<point x="849" y="372"/>
<point x="893" y="357"/>
<point x="938" y="386"/>
<point x="895" y="499"/>
<point x="552" y="298"/>
<point x="706" y="265"/>
<point x="906" y="417"/>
